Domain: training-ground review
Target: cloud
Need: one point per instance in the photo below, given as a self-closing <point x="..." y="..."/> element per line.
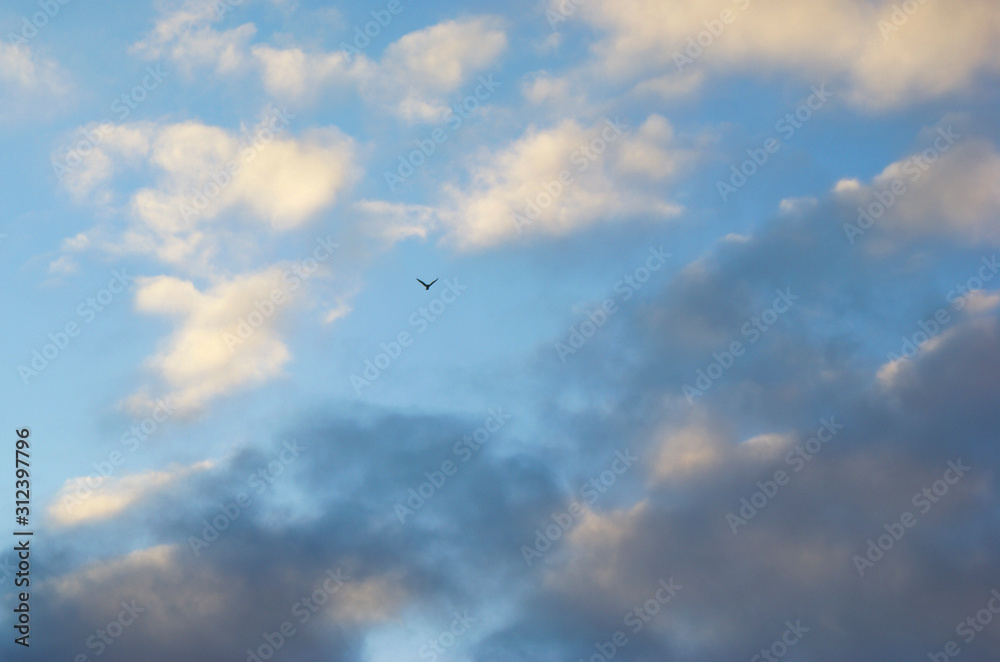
<point x="597" y="164"/>
<point x="688" y="451"/>
<point x="417" y="73"/>
<point x="952" y="194"/>
<point x="215" y="349"/>
<point x="114" y="494"/>
<point x="395" y="221"/>
<point x="884" y="56"/>
<point x="184" y="36"/>
<point x="291" y="73"/>
<point x="251" y="579"/>
<point x="413" y="79"/>
<point x="29" y="84"/>
<point x="63" y="265"/>
<point x="203" y="175"/>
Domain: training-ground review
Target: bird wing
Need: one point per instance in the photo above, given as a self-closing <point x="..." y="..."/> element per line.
<point x="433" y="281"/>
<point x="423" y="283"/>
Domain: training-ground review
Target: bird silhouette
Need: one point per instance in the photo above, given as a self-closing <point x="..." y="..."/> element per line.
<point x="427" y="286"/>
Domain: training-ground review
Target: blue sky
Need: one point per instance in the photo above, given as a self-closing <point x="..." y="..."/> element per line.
<point x="205" y="246"/>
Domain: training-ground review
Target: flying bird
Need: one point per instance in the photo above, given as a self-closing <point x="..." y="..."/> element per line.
<point x="427" y="286"/>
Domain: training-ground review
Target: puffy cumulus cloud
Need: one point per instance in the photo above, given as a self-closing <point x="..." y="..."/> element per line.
<point x="201" y="173"/>
<point x="227" y="337"/>
<point x="292" y="73"/>
<point x="885" y="56"/>
<point x="184" y="35"/>
<point x="29" y="83"/>
<point x="414" y="77"/>
<point x="112" y="495"/>
<point x="648" y="154"/>
<point x="113" y="146"/>
<point x="949" y="190"/>
<point x="557" y="181"/>
<point x="417" y="73"/>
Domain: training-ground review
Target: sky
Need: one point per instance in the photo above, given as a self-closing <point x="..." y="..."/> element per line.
<point x="710" y="370"/>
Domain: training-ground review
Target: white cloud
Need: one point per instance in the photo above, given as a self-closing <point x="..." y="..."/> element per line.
<point x="63" y="265"/>
<point x="522" y="182"/>
<point x="291" y="73"/>
<point x="395" y="221"/>
<point x="414" y="77"/>
<point x="112" y="495"/>
<point x="797" y="205"/>
<point x="223" y="342"/>
<point x="937" y="50"/>
<point x="29" y="84"/>
<point x="671" y="86"/>
<point x="183" y="35"/>
<point x="954" y="194"/>
<point x="544" y="88"/>
<point x="982" y="301"/>
<point x="418" y="72"/>
<point x="203" y="173"/>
